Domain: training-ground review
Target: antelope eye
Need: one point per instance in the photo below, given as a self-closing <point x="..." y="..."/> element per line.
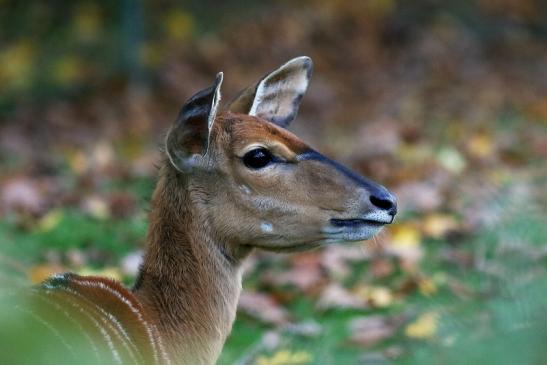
<point x="257" y="158"/>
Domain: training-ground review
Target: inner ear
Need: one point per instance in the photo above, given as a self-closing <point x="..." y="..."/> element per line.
<point x="276" y="97"/>
<point x="189" y="135"/>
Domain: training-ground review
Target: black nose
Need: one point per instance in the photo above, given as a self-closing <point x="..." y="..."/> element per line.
<point x="385" y="202"/>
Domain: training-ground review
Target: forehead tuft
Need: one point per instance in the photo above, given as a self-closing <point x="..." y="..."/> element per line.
<point x="245" y="129"/>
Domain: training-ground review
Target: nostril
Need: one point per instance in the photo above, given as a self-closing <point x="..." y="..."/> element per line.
<point x="384" y="203"/>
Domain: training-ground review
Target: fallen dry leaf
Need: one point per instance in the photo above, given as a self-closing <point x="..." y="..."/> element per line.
<point x="438" y="225"/>
<point x="335" y="296"/>
<point x="49" y="221"/>
<point x="21" y="194"/>
<point x="97" y="207"/>
<point x="480" y="145"/>
<point x="336" y="259"/>
<point x="405" y="235"/>
<point x="369" y="330"/>
<point x="427" y="286"/>
<point x="405" y="243"/>
<point x="381" y="268"/>
<point x="39" y="273"/>
<point x="78" y="162"/>
<point x="304" y="272"/>
<point x="375" y="296"/>
<point x="286" y="357"/>
<point x="102" y="155"/>
<point x="424" y="327"/>
<point x="262" y="307"/>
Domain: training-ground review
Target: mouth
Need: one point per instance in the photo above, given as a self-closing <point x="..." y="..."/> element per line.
<point x="354" y="229"/>
<point x="357" y="222"/>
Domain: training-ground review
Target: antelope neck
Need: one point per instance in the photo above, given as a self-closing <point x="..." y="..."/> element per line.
<point x="187" y="282"/>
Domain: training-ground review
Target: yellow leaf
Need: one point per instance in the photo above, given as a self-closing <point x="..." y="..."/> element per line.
<point x="179" y="24"/>
<point x="424" y="327"/>
<point x="49" y="221"/>
<point x="405" y="244"/>
<point x="109" y="272"/>
<point x="405" y="235"/>
<point x="39" y="273"/>
<point x="381" y="296"/>
<point x="286" y="357"/>
<point x="480" y="145"/>
<point x="427" y="287"/>
<point x="438" y="225"/>
<point x="377" y="296"/>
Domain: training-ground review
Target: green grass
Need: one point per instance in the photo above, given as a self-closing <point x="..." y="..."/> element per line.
<point x="74" y="230"/>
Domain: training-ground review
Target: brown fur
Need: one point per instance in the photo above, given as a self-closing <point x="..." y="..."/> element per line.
<point x="136" y="321"/>
<point x="203" y="224"/>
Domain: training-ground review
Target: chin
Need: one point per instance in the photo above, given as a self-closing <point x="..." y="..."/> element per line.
<point x="344" y="235"/>
<point x="363" y="234"/>
<point x="354" y="235"/>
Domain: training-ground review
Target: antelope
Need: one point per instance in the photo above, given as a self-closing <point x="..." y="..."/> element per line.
<point x="230" y="182"/>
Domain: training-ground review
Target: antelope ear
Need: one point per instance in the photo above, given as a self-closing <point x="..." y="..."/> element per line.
<point x="276" y="97"/>
<point x="188" y="138"/>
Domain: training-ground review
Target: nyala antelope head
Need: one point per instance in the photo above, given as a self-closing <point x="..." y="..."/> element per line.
<point x="261" y="186"/>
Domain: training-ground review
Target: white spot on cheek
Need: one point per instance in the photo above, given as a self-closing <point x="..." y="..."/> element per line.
<point x="266" y="227"/>
<point x="245" y="189"/>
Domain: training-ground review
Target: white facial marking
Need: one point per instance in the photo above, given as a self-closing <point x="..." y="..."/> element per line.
<point x="245" y="189"/>
<point x="266" y="227"/>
